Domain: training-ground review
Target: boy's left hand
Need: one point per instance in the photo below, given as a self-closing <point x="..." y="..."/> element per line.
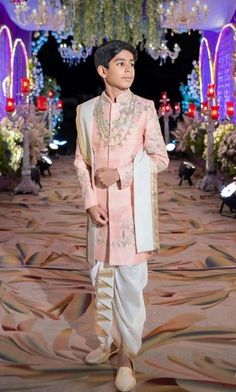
<point x="106" y="176"/>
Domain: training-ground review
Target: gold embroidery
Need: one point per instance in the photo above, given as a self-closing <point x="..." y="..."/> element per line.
<point x="102" y="296"/>
<point x="106" y="273"/>
<point x="101" y="333"/>
<point x="101" y="236"/>
<point x="119" y="132"/>
<point x="102" y="317"/>
<point x="105" y="282"/>
<point x="155" y="207"/>
<point x="102" y="308"/>
<point x="102" y="285"/>
<point x="127" y="179"/>
<point x="126" y="237"/>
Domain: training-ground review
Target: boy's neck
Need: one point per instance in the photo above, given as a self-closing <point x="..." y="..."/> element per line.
<point x="113" y="93"/>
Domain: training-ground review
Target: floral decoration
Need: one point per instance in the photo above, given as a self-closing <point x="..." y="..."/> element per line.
<point x="11" y="140"/>
<point x="128" y="20"/>
<point x="225" y="148"/>
<point x="11" y="150"/>
<point x="191" y="138"/>
<point x="38" y="136"/>
<point x="189" y="135"/>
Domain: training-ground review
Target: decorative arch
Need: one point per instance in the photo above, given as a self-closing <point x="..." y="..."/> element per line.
<point x="206" y="68"/>
<point x="13" y="66"/>
<point x="19" y="67"/>
<point x="5" y="66"/>
<point x="225" y="65"/>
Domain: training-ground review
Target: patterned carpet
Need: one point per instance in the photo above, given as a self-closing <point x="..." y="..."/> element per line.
<point x="47" y="318"/>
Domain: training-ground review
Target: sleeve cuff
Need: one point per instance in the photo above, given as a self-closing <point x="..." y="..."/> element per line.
<point x="91" y="201"/>
<point x="126" y="176"/>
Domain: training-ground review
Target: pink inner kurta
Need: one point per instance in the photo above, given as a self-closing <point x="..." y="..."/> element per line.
<point x="115" y="242"/>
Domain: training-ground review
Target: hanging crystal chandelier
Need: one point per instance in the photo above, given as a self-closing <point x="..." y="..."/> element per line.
<point x="134" y="21"/>
<point x="179" y="17"/>
<point x="72" y="55"/>
<point x="161" y="52"/>
<point x="45" y="17"/>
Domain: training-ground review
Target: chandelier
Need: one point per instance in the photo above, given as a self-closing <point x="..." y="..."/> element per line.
<point x="179" y="18"/>
<point x="91" y="22"/>
<point x="162" y="52"/>
<point x="44" y="17"/>
<point x="72" y="55"/>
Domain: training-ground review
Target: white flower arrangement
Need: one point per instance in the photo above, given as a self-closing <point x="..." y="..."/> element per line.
<point x="11" y="139"/>
<point x="227" y="151"/>
<point x="219" y="137"/>
<point x="187" y="134"/>
<point x="191" y="137"/>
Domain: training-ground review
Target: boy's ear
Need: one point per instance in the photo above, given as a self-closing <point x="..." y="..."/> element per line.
<point x="101" y="71"/>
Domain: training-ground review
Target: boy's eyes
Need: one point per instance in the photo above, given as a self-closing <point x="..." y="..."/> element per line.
<point x="123" y="63"/>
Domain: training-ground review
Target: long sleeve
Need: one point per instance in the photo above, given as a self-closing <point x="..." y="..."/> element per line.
<point x="83" y="171"/>
<point x="153" y="142"/>
<point x="126" y="174"/>
<point x="154" y="146"/>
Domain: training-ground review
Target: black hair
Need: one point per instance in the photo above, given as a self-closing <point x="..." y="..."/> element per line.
<point x="105" y="52"/>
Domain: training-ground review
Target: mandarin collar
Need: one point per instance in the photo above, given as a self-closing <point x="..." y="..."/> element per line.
<point x="121" y="98"/>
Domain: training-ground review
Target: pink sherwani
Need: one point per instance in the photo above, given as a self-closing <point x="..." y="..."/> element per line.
<point x="115" y="242"/>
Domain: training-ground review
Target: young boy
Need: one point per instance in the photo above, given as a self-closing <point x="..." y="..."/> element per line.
<point x="119" y="152"/>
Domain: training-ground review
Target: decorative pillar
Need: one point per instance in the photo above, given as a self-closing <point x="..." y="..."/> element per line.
<point x="210" y="181"/>
<point x="166" y="112"/>
<point x="50" y="114"/>
<point x="26" y="185"/>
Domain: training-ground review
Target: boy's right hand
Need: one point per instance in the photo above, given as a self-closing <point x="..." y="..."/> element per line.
<point x="98" y="215"/>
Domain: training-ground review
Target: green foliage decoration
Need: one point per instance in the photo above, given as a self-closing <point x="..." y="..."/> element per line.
<point x="50" y="84"/>
<point x="127" y="20"/>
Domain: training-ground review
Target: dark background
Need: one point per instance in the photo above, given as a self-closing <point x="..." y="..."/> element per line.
<point x="81" y="82"/>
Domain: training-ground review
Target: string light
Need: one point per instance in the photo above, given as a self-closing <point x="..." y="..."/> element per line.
<point x="6" y="29"/>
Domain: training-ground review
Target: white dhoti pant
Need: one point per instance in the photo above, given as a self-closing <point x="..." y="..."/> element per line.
<point x="120" y="304"/>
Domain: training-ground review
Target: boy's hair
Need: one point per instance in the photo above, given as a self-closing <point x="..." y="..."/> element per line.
<point x="105" y="52"/>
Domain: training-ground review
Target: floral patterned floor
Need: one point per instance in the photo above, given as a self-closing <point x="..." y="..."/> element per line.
<point x="46" y="314"/>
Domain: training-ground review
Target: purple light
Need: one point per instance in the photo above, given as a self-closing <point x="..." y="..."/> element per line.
<point x="206" y="68"/>
<point x="224" y="68"/>
<point x="223" y="46"/>
<point x="5" y="66"/>
<point x="19" y="67"/>
<point x="11" y="67"/>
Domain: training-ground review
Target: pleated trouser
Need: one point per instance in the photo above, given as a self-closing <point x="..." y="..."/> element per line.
<point x="120" y="308"/>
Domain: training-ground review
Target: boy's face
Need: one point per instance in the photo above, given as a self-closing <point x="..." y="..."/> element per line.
<point x="120" y="72"/>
